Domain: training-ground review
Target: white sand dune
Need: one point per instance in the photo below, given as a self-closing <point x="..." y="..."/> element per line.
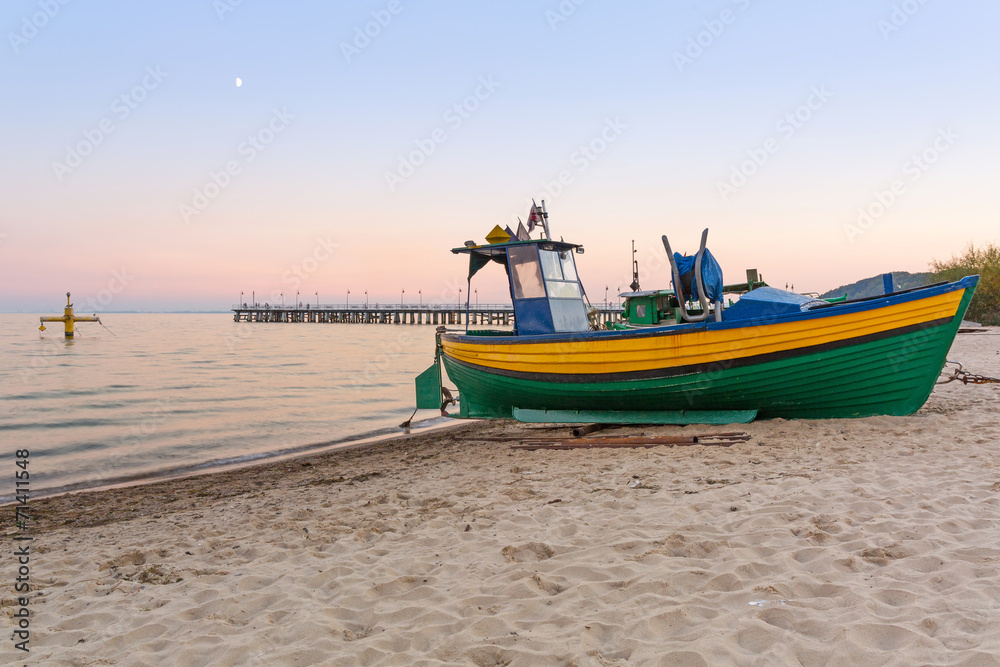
<point x="843" y="542"/>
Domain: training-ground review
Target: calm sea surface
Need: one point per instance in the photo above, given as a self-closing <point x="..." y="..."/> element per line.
<point x="171" y="394"/>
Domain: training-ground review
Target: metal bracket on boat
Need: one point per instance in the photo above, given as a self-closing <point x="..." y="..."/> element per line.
<point x="675" y="273"/>
<point x="965" y="377"/>
<point x="448" y="399"/>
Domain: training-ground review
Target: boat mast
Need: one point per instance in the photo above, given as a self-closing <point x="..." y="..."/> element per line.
<point x="545" y="222"/>
<point x="635" y="270"/>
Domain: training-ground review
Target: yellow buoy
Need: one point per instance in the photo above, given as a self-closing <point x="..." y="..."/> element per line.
<point x="68" y="319"/>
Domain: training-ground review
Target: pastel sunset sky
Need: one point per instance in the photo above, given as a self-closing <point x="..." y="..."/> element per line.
<point x="820" y="143"/>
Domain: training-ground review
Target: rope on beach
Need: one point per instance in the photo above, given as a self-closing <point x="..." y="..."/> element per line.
<point x="965" y="377"/>
<point x="449" y="398"/>
<point x="406" y="424"/>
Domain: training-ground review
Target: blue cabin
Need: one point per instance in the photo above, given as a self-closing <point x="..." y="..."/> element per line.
<point x="545" y="287"/>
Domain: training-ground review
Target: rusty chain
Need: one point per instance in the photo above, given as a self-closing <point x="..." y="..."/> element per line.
<point x="965" y="377"/>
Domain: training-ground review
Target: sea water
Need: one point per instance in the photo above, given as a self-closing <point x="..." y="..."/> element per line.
<point x="164" y="394"/>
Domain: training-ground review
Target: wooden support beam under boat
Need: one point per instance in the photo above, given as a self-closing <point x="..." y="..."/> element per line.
<point x="635" y="416"/>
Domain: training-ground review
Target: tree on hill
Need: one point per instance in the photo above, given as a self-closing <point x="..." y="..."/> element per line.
<point x="985" y="306"/>
<point x="874" y="287"/>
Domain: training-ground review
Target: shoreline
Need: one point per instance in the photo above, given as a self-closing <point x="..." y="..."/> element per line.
<point x="218" y="467"/>
<point x="50" y="510"/>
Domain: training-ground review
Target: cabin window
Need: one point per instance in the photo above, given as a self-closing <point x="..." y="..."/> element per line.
<point x="569" y="315"/>
<point x="547" y="293"/>
<point x="560" y="275"/>
<point x="565" y="293"/>
<point x="564" y="290"/>
<point x="568" y="267"/>
<point x="551" y="266"/>
<point x="525" y="272"/>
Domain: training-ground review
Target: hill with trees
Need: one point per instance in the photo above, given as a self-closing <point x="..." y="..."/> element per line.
<point x="984" y="261"/>
<point x="985" y="306"/>
<point x="873" y="286"/>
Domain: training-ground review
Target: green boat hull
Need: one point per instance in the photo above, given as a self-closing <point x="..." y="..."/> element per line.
<point x="890" y="376"/>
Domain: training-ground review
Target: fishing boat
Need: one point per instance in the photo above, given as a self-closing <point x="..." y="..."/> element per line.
<point x="682" y="355"/>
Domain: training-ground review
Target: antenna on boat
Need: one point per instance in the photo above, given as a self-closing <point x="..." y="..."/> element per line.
<point x="545" y="222"/>
<point x="635" y="270"/>
<point x="538" y="217"/>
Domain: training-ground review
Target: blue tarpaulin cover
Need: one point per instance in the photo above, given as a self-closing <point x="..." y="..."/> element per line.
<point x="768" y="302"/>
<point x="711" y="274"/>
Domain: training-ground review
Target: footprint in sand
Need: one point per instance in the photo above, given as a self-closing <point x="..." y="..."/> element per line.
<point x="532" y="551"/>
<point x="551" y="585"/>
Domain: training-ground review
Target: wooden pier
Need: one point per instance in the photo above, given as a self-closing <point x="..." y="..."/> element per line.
<point x="487" y="315"/>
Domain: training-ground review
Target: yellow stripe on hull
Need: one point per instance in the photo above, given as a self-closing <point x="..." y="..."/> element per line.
<point x="622" y="354"/>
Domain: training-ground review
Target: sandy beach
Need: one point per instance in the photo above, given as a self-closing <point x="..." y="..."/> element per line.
<point x="843" y="542"/>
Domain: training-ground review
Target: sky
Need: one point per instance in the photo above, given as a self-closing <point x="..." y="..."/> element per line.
<point x="820" y="143"/>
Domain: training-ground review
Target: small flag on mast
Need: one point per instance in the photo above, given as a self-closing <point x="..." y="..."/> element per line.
<point x="534" y="216"/>
<point x="522" y="233"/>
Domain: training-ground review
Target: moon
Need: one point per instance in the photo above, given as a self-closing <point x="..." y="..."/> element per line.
<point x="239" y="82"/>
